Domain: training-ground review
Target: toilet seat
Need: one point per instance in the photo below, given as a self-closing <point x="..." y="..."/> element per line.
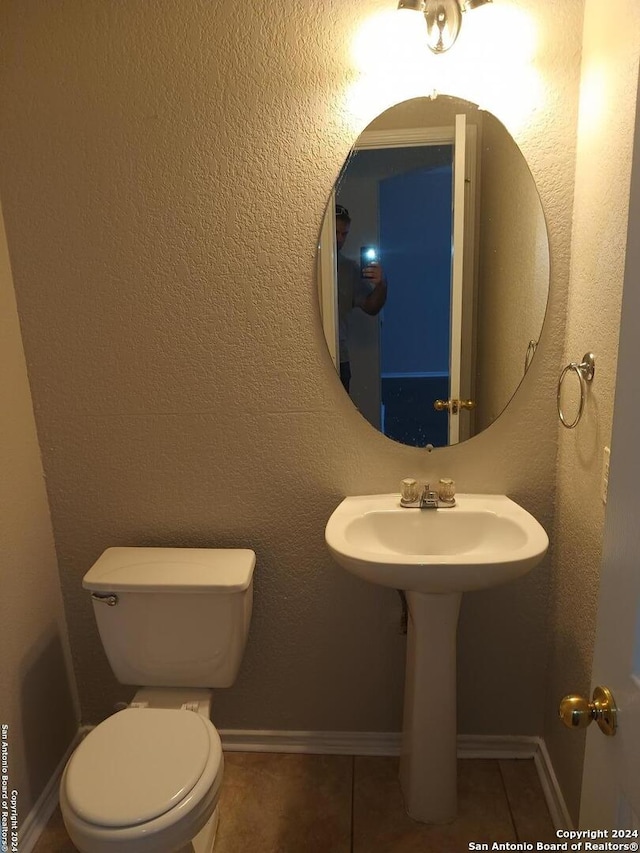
<point x="144" y="780"/>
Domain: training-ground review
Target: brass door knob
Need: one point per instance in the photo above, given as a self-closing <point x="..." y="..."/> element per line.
<point x="576" y="712"/>
<point x="453" y="406"/>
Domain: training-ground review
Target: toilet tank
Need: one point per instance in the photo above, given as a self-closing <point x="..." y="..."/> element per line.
<point x="173" y="617"/>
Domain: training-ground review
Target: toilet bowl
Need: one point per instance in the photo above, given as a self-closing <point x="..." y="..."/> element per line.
<point x="144" y="780"/>
<point x="174" y="622"/>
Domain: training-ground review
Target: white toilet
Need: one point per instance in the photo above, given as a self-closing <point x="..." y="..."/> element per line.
<point x="148" y="778"/>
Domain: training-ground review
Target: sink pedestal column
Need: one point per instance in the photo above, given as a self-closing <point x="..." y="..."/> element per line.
<point x="428" y="763"/>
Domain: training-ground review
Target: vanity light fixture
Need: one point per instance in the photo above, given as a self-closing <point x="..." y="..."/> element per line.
<point x="443" y="17"/>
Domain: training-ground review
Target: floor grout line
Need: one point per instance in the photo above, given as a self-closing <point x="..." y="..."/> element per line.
<point x="506" y="796"/>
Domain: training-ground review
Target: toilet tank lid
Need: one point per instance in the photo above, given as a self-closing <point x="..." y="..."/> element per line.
<point x="221" y="570"/>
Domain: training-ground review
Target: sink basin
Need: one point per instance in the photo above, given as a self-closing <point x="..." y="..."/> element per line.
<point x="482" y="541"/>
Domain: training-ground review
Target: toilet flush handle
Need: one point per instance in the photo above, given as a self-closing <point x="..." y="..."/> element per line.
<point x="110" y="598"/>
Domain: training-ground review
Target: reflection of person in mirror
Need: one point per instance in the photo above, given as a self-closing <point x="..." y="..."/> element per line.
<point x="357" y="288"/>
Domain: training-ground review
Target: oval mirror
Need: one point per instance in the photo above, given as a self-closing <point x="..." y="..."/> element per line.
<point x="433" y="271"/>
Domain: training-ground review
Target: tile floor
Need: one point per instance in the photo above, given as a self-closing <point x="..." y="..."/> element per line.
<point x="289" y="803"/>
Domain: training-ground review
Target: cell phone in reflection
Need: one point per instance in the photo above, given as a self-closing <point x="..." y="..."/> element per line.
<point x="368" y="255"/>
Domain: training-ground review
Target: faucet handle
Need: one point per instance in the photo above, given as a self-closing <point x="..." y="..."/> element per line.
<point x="447" y="489"/>
<point x="409" y="490"/>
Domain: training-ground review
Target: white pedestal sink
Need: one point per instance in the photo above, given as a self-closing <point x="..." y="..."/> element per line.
<point x="434" y="555"/>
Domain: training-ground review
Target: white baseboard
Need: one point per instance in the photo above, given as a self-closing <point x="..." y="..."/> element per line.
<point x="34" y="823"/>
<point x="368" y="743"/>
<point x="318" y="743"/>
<point x="552" y="793"/>
<point x="497" y="746"/>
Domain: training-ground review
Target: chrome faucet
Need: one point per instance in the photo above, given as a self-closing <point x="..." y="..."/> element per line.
<point x="429" y="499"/>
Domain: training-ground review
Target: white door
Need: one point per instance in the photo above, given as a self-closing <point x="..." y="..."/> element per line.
<point x="611" y="780"/>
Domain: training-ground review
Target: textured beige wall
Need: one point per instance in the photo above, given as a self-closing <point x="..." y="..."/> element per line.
<point x="36" y="692"/>
<point x="605" y="141"/>
<point x="165" y="168"/>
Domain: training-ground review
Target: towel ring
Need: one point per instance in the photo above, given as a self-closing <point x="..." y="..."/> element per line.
<point x="585" y="372"/>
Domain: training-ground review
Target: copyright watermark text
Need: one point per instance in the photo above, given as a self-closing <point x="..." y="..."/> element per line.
<point x="583" y="840"/>
<point x="8" y="799"/>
